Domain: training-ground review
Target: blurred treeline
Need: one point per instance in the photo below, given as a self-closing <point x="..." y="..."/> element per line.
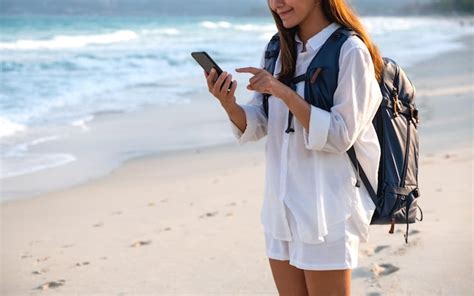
<point x="221" y="7"/>
<point x="457" y="5"/>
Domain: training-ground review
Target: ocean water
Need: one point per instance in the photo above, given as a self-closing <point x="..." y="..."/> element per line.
<point x="61" y="73"/>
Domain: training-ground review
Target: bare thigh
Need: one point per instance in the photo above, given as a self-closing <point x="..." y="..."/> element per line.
<point x="328" y="282"/>
<point x="289" y="280"/>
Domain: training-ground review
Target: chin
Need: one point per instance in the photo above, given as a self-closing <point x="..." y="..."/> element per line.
<point x="289" y="25"/>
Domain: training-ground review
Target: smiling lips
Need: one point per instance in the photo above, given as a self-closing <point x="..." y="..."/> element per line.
<point x="284" y="13"/>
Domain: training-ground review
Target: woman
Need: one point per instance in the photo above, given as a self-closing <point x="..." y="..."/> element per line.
<point x="313" y="216"/>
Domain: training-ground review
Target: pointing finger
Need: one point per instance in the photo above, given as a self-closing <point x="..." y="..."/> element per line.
<point x="252" y="70"/>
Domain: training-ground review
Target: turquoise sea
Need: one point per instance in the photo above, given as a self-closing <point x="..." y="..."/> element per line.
<point x="60" y="73"/>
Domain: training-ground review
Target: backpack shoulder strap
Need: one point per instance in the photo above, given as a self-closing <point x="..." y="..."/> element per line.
<point x="360" y="173"/>
<point x="271" y="55"/>
<point x="328" y="59"/>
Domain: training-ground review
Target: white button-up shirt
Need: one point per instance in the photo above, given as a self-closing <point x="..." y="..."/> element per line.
<point x="309" y="170"/>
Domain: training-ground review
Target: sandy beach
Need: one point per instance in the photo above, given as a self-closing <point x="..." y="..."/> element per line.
<point x="187" y="222"/>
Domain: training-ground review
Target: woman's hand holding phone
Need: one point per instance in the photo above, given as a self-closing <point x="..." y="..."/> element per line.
<point x="220" y="88"/>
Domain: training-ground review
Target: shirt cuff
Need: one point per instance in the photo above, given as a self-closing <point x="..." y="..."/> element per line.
<point x="251" y="117"/>
<point x="316" y="137"/>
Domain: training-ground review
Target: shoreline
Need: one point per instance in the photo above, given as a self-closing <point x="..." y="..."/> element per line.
<point x="94" y="156"/>
<point x="54" y="179"/>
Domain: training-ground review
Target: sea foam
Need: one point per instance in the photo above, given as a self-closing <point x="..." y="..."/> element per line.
<point x="70" y="41"/>
<point x="9" y="128"/>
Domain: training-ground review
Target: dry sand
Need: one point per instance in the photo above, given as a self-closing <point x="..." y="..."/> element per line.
<point x="187" y="223"/>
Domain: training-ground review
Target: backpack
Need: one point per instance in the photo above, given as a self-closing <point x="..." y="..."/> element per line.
<point x="395" y="122"/>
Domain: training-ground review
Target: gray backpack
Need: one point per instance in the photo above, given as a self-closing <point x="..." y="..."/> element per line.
<point x="395" y="123"/>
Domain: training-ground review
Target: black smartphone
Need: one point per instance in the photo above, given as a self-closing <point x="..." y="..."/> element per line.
<point x="207" y="63"/>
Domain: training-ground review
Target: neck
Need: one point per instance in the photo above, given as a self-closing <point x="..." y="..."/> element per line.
<point x="312" y="24"/>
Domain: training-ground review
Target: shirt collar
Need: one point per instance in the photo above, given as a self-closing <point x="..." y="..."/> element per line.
<point x="319" y="38"/>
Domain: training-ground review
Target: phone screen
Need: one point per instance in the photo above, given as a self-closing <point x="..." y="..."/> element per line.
<point x="207" y="63"/>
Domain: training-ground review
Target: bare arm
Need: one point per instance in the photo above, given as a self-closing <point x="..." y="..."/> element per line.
<point x="236" y="115"/>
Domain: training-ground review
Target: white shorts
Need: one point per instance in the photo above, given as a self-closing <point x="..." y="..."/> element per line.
<point x="333" y="254"/>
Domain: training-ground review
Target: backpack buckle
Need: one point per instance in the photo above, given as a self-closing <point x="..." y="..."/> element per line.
<point x="416" y="192"/>
<point x="414" y="114"/>
<point x="397" y="104"/>
<point x="315" y="75"/>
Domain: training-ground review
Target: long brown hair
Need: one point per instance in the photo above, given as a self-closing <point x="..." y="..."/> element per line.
<point x="335" y="11"/>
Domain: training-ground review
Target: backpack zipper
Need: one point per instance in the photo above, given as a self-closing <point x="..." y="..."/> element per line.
<point x="407" y="152"/>
<point x="395" y="100"/>
<point x="396" y="109"/>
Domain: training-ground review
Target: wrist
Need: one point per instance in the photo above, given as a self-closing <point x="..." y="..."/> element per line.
<point x="287" y="95"/>
<point x="230" y="107"/>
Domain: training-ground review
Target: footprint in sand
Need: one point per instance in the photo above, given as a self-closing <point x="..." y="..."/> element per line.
<point x="52" y="285"/>
<point x="162" y="229"/>
<point x="383" y="269"/>
<point x="41" y="271"/>
<point x="34" y="242"/>
<point x="140" y="243"/>
<point x="380" y="248"/>
<point x="42" y="259"/>
<point x="209" y="214"/>
<point x="411" y="242"/>
<point x="83" y="263"/>
<point x="367" y="252"/>
<point x="25" y="255"/>
<point x="413" y="231"/>
<point x="117" y="213"/>
<point x="98" y="224"/>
